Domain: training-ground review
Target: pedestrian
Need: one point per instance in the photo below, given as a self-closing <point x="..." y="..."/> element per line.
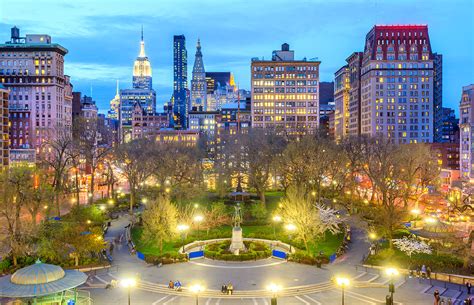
<point x="171" y="284"/>
<point x="224" y="289"/>
<point x="428" y="272"/>
<point x="423" y="271"/>
<point x="468" y="286"/>
<point x="436" y="297"/>
<point x="230" y="288"/>
<point x="450" y="301"/>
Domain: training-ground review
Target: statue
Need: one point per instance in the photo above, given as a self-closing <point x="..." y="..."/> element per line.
<point x="237" y="242"/>
<point x="237" y="216"/>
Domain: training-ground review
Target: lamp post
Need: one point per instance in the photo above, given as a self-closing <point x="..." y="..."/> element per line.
<point x="391" y="272"/>
<point x="182" y="228"/>
<point x="198" y="219"/>
<point x="276" y="219"/>
<point x="128" y="284"/>
<point x="196" y="289"/>
<point x="416" y="213"/>
<point x="274" y="289"/>
<point x="343" y="282"/>
<point x="290" y="228"/>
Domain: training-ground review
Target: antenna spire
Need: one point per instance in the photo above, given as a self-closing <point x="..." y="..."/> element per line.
<point x="142" y="32"/>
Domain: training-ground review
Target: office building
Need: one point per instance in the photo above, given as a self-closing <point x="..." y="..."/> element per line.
<point x="198" y="81"/>
<point x="285" y="94"/>
<point x="32" y="69"/>
<point x="4" y="128"/>
<point x="341" y="100"/>
<point x="466" y="128"/>
<point x="221" y="89"/>
<point x="449" y="128"/>
<point x="438" y="112"/>
<point x="397" y="83"/>
<point x="204" y="122"/>
<point x="180" y="100"/>
<point x="145" y="125"/>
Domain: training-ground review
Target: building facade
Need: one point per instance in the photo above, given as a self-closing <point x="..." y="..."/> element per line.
<point x="180" y="82"/>
<point x="449" y="128"/>
<point x="4" y="128"/>
<point x="466" y="128"/>
<point x="285" y="93"/>
<point x="354" y="63"/>
<point x="32" y="68"/>
<point x="438" y="112"/>
<point x="341" y="100"/>
<point x="397" y="84"/>
<point x="221" y="90"/>
<point x="186" y="137"/>
<point x="198" y="81"/>
<point x="147" y="125"/>
<point x="204" y="122"/>
<point x="142" y="93"/>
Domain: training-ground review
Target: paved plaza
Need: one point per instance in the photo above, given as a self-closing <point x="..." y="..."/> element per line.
<point x="302" y="284"/>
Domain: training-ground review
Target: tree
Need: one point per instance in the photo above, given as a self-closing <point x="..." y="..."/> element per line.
<point x="57" y="157"/>
<point x="384" y="167"/>
<point x="40" y="194"/>
<point x="160" y="221"/>
<point x="178" y="170"/>
<point x="262" y="148"/>
<point x="215" y="216"/>
<point x="87" y="133"/>
<point x="15" y="184"/>
<point x="411" y="245"/>
<point x="298" y="209"/>
<point x="132" y="159"/>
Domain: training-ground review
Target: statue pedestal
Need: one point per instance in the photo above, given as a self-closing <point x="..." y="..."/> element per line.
<point x="237" y="243"/>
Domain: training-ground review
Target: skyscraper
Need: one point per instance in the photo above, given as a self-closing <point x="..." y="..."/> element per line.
<point x="466" y="127"/>
<point x="32" y="68"/>
<point x="285" y="93"/>
<point x="198" y="82"/>
<point x="180" y="82"/>
<point x="142" y="93"/>
<point x="142" y="69"/>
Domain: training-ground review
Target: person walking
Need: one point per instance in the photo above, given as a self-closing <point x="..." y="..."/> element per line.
<point x="428" y="272"/>
<point x="436" y="297"/>
<point x="423" y="271"/>
<point x="468" y="287"/>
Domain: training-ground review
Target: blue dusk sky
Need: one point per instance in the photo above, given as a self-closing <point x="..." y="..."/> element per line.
<point x="102" y="36"/>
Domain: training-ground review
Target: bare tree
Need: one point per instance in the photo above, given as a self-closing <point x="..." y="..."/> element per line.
<point x="58" y="158"/>
<point x="133" y="160"/>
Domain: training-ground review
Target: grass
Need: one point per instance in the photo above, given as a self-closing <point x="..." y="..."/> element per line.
<point x="327" y="245"/>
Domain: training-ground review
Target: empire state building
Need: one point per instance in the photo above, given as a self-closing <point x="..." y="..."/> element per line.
<point x="142" y="69"/>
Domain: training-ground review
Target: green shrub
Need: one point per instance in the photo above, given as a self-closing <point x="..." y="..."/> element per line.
<point x="220" y="251"/>
<point x="4" y="265"/>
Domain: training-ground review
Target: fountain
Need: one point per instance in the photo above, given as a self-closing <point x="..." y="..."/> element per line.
<point x="237" y="242"/>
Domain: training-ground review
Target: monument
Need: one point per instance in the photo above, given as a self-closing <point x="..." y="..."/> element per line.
<point x="237" y="243"/>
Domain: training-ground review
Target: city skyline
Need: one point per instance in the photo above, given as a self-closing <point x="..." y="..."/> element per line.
<point x="229" y="46"/>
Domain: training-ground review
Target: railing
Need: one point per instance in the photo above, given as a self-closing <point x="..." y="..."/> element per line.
<point x="457" y="279"/>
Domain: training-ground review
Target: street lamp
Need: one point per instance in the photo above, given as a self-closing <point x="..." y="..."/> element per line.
<point x="372" y="236"/>
<point x="196" y="289"/>
<point x="276" y="219"/>
<point x="290" y="228"/>
<point x="128" y="283"/>
<point x="391" y="272"/>
<point x="274" y="289"/>
<point x="343" y="282"/>
<point x="182" y="228"/>
<point x="415" y="212"/>
<point x="198" y="219"/>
